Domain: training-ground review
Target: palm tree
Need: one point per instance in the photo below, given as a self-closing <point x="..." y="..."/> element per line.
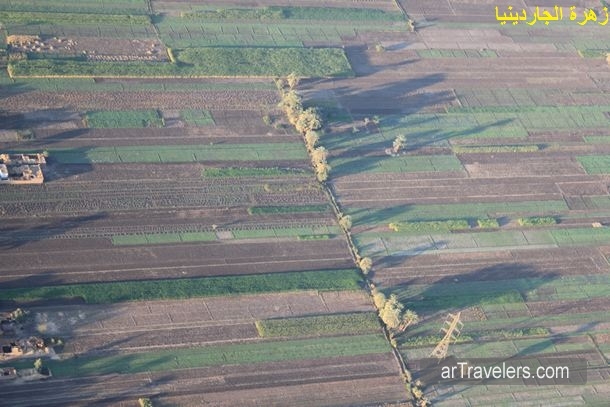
<point x="399" y="143"/>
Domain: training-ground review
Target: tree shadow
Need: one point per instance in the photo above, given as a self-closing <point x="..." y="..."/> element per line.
<point x="398" y="97"/>
<point x="361" y="63"/>
<point x="397" y="259"/>
<point x="500" y="285"/>
<point x="364" y="216"/>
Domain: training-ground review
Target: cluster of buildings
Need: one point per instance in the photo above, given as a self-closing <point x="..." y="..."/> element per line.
<point x="21" y="168"/>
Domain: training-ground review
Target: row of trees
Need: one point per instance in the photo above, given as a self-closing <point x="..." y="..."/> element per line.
<point x="307" y="121"/>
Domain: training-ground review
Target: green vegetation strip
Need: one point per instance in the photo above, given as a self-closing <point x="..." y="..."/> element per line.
<point x="81" y="6"/>
<point x="262" y="210"/>
<point x="181" y="153"/>
<point x="593" y="53"/>
<point x="388" y="243"/>
<point x="495" y="149"/>
<point x="303" y="233"/>
<point x="99" y="293"/>
<point x="201" y="62"/>
<point x="163" y="238"/>
<point x="444" y="296"/>
<point x="124" y="119"/>
<point x="595" y="164"/>
<point x="233" y="172"/>
<point x="497" y="334"/>
<point x="430" y="226"/>
<point x="404" y="213"/>
<point x="320" y="325"/>
<point x="12" y="18"/>
<point x="597" y="139"/>
<point x="296" y="13"/>
<point x="431" y="163"/>
<point x="91" y="85"/>
<point x="235" y="354"/>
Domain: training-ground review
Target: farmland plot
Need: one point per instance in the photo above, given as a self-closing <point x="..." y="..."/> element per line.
<point x="504" y="125"/>
<point x="201" y="335"/>
<point x="501" y="137"/>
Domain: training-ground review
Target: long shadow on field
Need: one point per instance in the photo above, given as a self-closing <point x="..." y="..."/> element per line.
<point x="491" y="293"/>
<point x="398" y="97"/>
<point x="12" y="237"/>
<point x="375" y="216"/>
<point x="367" y="156"/>
<point x="498" y="284"/>
<point x="366" y="98"/>
<point x="361" y="63"/>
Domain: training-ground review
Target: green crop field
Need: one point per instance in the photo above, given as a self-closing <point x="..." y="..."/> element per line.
<point x="91" y="85"/>
<point x="597" y="139"/>
<point x="124" y="119"/>
<point x="431" y="212"/>
<point x="319" y="325"/>
<point x="540" y="117"/>
<point x="269" y="14"/>
<point x="454" y="125"/>
<point x="442" y="296"/>
<point x="432" y="163"/>
<point x="163" y="238"/>
<point x="495" y="149"/>
<point x="389" y="243"/>
<point x="316" y="62"/>
<point x="15" y="18"/>
<point x="81" y="6"/>
<point x="189" y="358"/>
<point x="97" y="293"/>
<point x="595" y="164"/>
<point x="301" y="232"/>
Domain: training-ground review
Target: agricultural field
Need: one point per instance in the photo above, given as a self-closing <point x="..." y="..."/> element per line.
<point x="181" y="248"/>
<point x="495" y="205"/>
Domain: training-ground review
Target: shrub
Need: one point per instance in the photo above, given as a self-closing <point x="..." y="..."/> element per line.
<point x="485" y="223"/>
<point x="345" y="221"/>
<point x="365" y="263"/>
<point x="379" y="299"/>
<point x="537" y="221"/>
<point x="145" y="402"/>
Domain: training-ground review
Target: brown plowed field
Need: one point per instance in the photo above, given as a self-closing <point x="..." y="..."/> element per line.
<point x="138" y="326"/>
<point x="334" y="381"/>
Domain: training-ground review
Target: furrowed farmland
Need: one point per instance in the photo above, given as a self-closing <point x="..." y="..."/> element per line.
<point x="180" y="249"/>
<point x="279" y="203"/>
